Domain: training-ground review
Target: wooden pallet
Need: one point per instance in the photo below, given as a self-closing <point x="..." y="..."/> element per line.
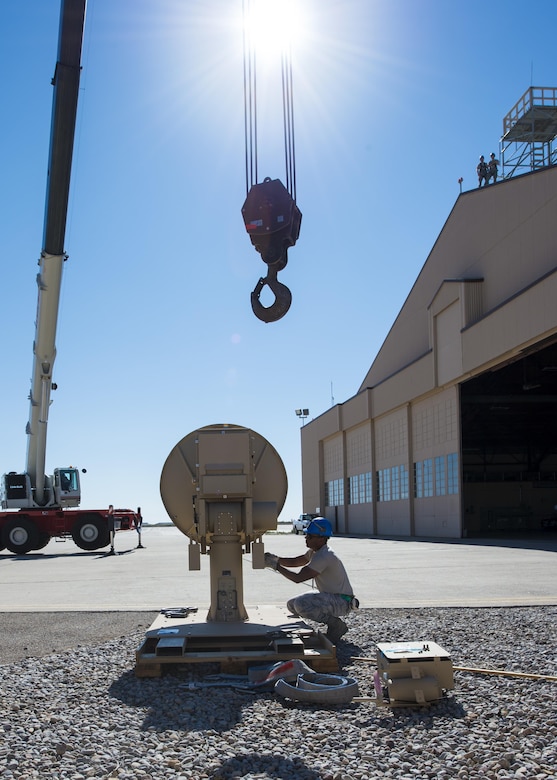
<point x="268" y="636"/>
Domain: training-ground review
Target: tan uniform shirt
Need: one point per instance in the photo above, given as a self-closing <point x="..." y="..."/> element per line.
<point x="331" y="577"/>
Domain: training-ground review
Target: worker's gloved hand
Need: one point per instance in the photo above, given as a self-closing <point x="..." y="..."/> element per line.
<point x="271" y="561"/>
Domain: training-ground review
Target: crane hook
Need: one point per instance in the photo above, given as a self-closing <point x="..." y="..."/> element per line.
<point x="283" y="298"/>
<point x="272" y="221"/>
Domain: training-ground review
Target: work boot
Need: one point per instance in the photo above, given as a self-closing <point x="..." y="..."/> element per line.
<point x="335" y="629"/>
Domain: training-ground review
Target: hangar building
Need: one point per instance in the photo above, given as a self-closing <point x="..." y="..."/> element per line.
<point x="453" y="431"/>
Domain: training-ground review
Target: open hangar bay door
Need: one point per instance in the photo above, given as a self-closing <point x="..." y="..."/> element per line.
<point x="509" y="445"/>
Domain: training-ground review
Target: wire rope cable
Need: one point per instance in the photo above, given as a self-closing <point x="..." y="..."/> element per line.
<point x="251" y="109"/>
<point x="250" y="98"/>
<point x="288" y="120"/>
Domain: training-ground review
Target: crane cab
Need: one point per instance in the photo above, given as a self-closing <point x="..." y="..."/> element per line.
<point x="67" y="490"/>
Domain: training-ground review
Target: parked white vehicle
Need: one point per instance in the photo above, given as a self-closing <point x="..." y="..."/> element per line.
<point x="300" y="524"/>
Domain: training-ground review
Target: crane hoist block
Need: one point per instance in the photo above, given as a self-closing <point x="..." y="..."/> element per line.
<point x="272" y="220"/>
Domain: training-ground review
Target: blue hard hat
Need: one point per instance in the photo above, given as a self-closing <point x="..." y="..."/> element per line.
<point x="319" y="526"/>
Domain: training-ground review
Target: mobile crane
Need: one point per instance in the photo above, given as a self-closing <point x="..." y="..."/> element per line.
<point x="46" y="503"/>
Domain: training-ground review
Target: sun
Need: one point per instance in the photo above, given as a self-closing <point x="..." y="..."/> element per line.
<point x="272" y="26"/>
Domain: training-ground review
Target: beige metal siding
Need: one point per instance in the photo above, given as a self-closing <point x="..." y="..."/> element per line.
<point x="435" y="434"/>
<point x="333" y="462"/>
<point x="358" y="450"/>
<point x="448" y="352"/>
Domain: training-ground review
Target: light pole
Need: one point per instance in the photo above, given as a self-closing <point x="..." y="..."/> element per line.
<point x="302" y="414"/>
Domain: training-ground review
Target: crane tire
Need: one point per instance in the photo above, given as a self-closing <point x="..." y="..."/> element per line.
<point x="44" y="539"/>
<point x="90" y="532"/>
<point x="319" y="689"/>
<point x="20" y="535"/>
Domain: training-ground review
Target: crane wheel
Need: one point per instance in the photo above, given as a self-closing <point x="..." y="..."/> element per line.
<point x="21" y="535"/>
<point x="44" y="539"/>
<point x="90" y="533"/>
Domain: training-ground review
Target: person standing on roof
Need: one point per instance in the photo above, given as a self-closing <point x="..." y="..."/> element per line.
<point x="492" y="168"/>
<point x="482" y="171"/>
<point x="335" y="597"/>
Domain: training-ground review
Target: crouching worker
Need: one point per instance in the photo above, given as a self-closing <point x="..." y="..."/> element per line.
<point x="335" y="597"/>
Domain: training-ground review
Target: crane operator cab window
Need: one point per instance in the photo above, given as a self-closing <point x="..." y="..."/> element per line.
<point x="66" y="484"/>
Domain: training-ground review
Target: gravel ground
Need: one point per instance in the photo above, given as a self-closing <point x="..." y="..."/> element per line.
<point x="81" y="713"/>
<point x="36" y="634"/>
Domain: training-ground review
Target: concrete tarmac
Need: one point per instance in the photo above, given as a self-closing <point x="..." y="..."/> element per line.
<point x="383" y="572"/>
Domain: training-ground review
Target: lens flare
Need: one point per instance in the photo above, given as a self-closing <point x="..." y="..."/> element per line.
<point x="273" y="25"/>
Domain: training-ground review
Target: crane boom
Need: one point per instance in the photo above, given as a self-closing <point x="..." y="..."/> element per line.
<point x="49" y="278"/>
<point x="45" y="505"/>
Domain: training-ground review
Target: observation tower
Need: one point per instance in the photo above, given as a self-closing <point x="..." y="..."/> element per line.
<point x="529" y="133"/>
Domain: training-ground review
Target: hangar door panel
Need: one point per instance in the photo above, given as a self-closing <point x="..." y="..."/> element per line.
<point x="448" y="348"/>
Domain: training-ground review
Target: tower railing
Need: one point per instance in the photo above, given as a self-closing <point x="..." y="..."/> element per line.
<point x="529" y="132"/>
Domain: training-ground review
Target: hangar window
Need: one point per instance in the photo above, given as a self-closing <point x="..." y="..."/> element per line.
<point x="360" y="488"/>
<point x="384" y="485"/>
<point x="452" y="473"/>
<point x="403" y="481"/>
<point x="395" y="483"/>
<point x="428" y="478"/>
<point x="334" y="492"/>
<point x="423" y="478"/>
<point x="392" y="484"/>
<point x="440" y="478"/>
<point x="441" y="471"/>
<point x="418" y="480"/>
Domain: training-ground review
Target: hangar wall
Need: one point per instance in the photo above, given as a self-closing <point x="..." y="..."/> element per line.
<point x="388" y="461"/>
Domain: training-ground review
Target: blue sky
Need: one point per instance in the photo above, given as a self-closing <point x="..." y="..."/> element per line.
<point x="394" y="101"/>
